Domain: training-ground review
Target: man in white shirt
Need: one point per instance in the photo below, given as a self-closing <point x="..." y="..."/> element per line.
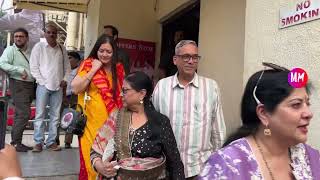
<point x="50" y="67"/>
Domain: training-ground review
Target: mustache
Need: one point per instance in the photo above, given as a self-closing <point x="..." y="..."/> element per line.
<point x="20" y="45"/>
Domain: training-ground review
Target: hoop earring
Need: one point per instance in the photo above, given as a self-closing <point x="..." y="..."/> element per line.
<point x="267" y="131"/>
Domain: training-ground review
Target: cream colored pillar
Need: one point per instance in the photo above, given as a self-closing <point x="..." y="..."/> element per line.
<point x="8" y="39"/>
<point x="80" y="34"/>
<point x="72" y="30"/>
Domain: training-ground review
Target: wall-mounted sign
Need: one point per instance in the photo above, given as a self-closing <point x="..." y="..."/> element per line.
<point x="141" y="53"/>
<point x="301" y="12"/>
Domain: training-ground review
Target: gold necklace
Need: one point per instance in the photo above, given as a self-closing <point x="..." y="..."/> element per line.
<point x="264" y="159"/>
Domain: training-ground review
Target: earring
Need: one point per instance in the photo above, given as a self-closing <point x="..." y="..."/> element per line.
<point x="267" y="131"/>
<point x="141" y="101"/>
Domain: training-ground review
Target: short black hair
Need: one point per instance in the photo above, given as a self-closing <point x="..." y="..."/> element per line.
<point x="115" y="31"/>
<point x="75" y="55"/>
<point x="21" y="30"/>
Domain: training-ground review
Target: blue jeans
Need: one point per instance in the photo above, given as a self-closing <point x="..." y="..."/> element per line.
<point x="46" y="97"/>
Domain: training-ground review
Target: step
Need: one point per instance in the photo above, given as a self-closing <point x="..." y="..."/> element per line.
<point x="49" y="165"/>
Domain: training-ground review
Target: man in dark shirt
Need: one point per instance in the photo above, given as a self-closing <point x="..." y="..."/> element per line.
<point x="123" y="56"/>
<point x="166" y="66"/>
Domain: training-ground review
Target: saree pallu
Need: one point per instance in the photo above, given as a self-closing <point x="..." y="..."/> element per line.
<point x="97" y="110"/>
<point x="113" y="137"/>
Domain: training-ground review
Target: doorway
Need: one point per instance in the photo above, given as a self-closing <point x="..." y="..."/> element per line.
<point x="187" y="21"/>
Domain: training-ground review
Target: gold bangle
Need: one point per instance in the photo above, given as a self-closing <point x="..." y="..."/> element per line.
<point x="95" y="161"/>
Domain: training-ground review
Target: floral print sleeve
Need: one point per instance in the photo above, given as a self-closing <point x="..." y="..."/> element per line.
<point x="236" y="161"/>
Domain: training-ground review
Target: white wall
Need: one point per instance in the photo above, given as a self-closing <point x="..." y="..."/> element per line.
<point x="297" y="46"/>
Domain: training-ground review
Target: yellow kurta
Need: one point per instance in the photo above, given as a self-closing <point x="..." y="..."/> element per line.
<point x="96" y="116"/>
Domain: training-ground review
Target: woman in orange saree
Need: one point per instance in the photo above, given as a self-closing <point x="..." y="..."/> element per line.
<point x="100" y="79"/>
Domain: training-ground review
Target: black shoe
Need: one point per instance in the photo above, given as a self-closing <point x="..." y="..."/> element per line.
<point x="28" y="147"/>
<point x="20" y="148"/>
<point x="67" y="146"/>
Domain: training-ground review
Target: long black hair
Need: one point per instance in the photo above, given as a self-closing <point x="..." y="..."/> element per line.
<point x="138" y="81"/>
<point x="271" y="90"/>
<point x="103" y="39"/>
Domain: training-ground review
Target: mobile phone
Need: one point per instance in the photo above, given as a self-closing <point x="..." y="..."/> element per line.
<point x="3" y="121"/>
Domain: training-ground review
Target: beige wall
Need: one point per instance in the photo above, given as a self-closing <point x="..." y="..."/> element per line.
<point x="221" y="44"/>
<point x="167" y="8"/>
<point x="134" y="19"/>
<point x="296" y="46"/>
<point x="92" y="25"/>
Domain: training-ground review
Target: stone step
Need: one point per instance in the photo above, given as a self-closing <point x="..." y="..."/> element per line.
<point x="49" y="165"/>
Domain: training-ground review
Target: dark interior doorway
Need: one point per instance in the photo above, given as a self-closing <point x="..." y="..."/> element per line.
<point x="186" y="20"/>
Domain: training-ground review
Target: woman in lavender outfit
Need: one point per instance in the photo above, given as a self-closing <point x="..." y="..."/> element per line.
<point x="271" y="142"/>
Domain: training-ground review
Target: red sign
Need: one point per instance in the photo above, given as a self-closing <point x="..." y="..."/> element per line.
<point x="142" y="54"/>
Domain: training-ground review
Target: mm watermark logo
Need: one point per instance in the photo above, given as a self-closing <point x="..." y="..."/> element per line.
<point x="297" y="78"/>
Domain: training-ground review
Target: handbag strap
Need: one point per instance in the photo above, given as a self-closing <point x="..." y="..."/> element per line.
<point x="24" y="56"/>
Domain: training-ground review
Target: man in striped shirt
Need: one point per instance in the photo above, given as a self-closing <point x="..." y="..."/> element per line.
<point x="193" y="105"/>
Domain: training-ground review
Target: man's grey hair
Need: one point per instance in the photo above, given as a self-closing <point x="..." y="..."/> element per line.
<point x="52" y="25"/>
<point x="183" y="43"/>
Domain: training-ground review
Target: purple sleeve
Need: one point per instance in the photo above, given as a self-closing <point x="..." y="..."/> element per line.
<point x="314" y="158"/>
<point x="216" y="168"/>
<point x="232" y="162"/>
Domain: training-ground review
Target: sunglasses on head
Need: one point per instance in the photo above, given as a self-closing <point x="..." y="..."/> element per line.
<point x="266" y="65"/>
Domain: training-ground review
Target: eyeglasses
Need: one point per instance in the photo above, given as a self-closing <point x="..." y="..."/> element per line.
<point x="125" y="90"/>
<point x="187" y="57"/>
<point x="272" y="66"/>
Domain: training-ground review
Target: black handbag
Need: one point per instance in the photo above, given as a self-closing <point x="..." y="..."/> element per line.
<point x="73" y="120"/>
